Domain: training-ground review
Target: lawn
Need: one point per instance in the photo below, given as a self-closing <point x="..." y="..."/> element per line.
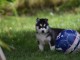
<point x="19" y="32"/>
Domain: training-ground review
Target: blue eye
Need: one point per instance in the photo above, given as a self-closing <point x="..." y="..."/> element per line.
<point x="40" y="24"/>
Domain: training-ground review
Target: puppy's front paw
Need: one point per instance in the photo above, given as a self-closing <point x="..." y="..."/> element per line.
<point x="41" y="47"/>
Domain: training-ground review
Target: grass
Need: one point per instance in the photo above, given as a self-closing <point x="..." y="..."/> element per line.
<point x="19" y="32"/>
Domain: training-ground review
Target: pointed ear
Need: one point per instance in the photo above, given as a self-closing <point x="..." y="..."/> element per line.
<point x="46" y="20"/>
<point x="37" y="19"/>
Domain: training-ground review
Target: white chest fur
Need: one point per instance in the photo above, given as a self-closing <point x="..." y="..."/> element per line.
<point x="43" y="38"/>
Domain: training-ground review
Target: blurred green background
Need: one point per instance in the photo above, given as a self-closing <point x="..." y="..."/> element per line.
<point x="31" y="7"/>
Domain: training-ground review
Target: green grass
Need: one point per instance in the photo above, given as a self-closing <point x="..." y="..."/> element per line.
<point x="20" y="33"/>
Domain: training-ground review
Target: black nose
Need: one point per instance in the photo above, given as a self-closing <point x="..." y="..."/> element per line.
<point x="42" y="31"/>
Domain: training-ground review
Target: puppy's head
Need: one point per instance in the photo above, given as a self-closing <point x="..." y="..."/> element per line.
<point x="42" y="25"/>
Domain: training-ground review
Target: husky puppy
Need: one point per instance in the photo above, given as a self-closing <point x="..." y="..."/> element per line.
<point x="46" y="34"/>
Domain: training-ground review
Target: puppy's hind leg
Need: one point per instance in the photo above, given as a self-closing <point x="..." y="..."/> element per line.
<point x="52" y="46"/>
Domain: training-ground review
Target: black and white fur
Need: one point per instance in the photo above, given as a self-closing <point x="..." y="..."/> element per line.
<point x="45" y="34"/>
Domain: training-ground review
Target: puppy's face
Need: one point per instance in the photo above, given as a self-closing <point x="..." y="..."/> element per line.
<point x="42" y="25"/>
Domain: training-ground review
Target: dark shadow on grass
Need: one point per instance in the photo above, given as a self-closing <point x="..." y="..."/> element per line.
<point x="23" y="41"/>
